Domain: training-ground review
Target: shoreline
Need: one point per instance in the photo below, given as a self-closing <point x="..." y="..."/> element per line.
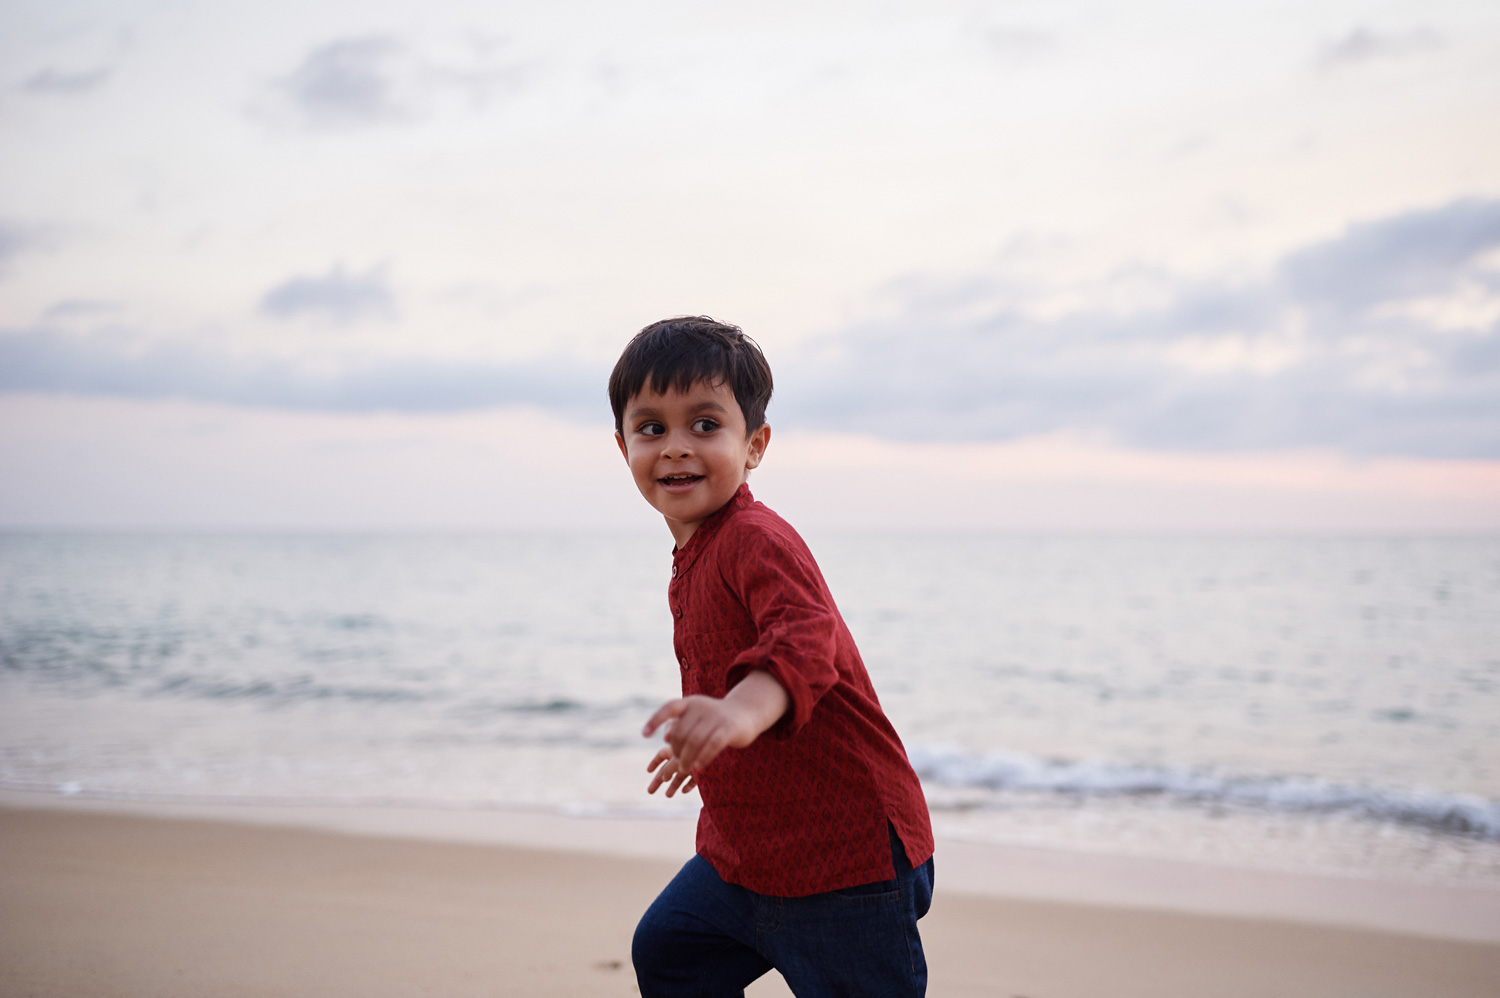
<point x="979" y="869"/>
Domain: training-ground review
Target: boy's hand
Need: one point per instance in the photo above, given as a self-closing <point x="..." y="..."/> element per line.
<point x="679" y="777"/>
<point x="701" y="727"/>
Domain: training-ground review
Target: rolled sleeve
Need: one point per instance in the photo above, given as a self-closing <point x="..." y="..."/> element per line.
<point x="796" y="625"/>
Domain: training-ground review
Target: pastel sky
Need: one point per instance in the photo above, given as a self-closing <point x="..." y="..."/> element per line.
<point x="1058" y="266"/>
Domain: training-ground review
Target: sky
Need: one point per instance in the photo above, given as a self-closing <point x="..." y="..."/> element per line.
<point x="1228" y="267"/>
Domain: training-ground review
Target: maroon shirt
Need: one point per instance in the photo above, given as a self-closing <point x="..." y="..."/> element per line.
<point x="804" y="808"/>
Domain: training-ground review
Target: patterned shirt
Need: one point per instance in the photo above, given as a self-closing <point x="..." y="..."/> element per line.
<point x="803" y="809"/>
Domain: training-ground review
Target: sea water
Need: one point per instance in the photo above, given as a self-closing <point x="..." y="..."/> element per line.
<point x="1329" y="703"/>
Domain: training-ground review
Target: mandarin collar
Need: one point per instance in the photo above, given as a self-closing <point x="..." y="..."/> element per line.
<point x="683" y="557"/>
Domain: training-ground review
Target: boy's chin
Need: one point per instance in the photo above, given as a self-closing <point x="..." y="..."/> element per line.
<point x="691" y="507"/>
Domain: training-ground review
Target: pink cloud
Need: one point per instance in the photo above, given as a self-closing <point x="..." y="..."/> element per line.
<point x="72" y="461"/>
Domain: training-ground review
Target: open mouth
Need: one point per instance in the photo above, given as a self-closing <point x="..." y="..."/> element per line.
<point x="671" y="480"/>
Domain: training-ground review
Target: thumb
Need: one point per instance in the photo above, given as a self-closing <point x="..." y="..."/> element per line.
<point x="664" y="713"/>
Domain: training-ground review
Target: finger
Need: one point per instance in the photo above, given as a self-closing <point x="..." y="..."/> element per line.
<point x="676" y="782"/>
<point x="704" y="741"/>
<point x="662" y="775"/>
<point x="661" y="756"/>
<point x="677" y="732"/>
<point x="687" y="739"/>
<point x="664" y="713"/>
<point x="692" y="781"/>
<point x="716" y="742"/>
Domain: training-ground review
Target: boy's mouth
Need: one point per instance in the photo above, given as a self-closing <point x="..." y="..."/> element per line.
<point x="676" y="482"/>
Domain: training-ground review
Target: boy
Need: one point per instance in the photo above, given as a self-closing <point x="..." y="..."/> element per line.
<point x="814" y="852"/>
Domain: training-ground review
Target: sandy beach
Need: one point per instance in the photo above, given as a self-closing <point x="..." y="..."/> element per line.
<point x="105" y="898"/>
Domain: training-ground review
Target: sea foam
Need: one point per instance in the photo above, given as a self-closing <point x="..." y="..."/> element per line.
<point x="1463" y="814"/>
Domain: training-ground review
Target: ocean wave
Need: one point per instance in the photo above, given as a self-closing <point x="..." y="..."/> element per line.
<point x="1462" y="814"/>
<point x="281" y="690"/>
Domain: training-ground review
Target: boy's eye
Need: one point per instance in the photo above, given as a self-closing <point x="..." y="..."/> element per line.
<point x="704" y="425"/>
<point x="650" y="429"/>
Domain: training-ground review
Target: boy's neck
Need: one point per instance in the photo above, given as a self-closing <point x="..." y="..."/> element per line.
<point x="683" y="530"/>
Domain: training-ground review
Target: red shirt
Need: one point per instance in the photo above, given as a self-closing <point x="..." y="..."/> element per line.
<point x="804" y="808"/>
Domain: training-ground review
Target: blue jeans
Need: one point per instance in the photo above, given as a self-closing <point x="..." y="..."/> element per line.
<point x="706" y="938"/>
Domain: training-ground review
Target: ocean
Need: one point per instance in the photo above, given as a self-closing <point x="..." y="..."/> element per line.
<point x="1316" y="703"/>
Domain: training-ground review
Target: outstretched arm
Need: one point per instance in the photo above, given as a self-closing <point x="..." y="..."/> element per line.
<point x="701" y="727"/>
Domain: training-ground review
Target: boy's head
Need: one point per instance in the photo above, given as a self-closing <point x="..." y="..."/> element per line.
<point x="678" y="353"/>
<point x="689" y="397"/>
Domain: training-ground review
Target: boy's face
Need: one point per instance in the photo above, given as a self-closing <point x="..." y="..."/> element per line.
<point x="688" y="451"/>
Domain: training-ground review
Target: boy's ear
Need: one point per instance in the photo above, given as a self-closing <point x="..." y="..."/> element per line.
<point x="621" y="441"/>
<point x="757" y="447"/>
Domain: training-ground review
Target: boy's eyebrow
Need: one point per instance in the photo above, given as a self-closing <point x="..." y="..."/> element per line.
<point x="639" y="411"/>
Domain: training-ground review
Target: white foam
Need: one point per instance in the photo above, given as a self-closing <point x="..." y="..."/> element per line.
<point x="1464" y="814"/>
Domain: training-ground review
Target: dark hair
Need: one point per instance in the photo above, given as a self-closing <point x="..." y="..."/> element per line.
<point x="678" y="353"/>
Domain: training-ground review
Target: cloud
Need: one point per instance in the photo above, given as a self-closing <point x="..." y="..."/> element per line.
<point x="1012" y="43"/>
<point x="76" y="308"/>
<point x="11" y="243"/>
<point x="110" y="364"/>
<point x="65" y="83"/>
<point x="338" y="296"/>
<point x="1384" y="340"/>
<point x="1363" y="45"/>
<point x="348" y="82"/>
<point x="1402" y="257"/>
<point x="16" y="239"/>
<point x="380" y="80"/>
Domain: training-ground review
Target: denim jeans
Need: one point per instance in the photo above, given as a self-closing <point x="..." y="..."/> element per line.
<point x="706" y="938"/>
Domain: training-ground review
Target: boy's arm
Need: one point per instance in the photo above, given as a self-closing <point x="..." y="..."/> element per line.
<point x="702" y="726"/>
<point x="776" y="579"/>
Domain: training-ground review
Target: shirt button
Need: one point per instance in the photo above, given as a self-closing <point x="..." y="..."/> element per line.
<point x="674" y="571"/>
<point x="678" y="611"/>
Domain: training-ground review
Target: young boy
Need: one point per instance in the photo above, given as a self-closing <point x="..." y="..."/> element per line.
<point x="814" y="851"/>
